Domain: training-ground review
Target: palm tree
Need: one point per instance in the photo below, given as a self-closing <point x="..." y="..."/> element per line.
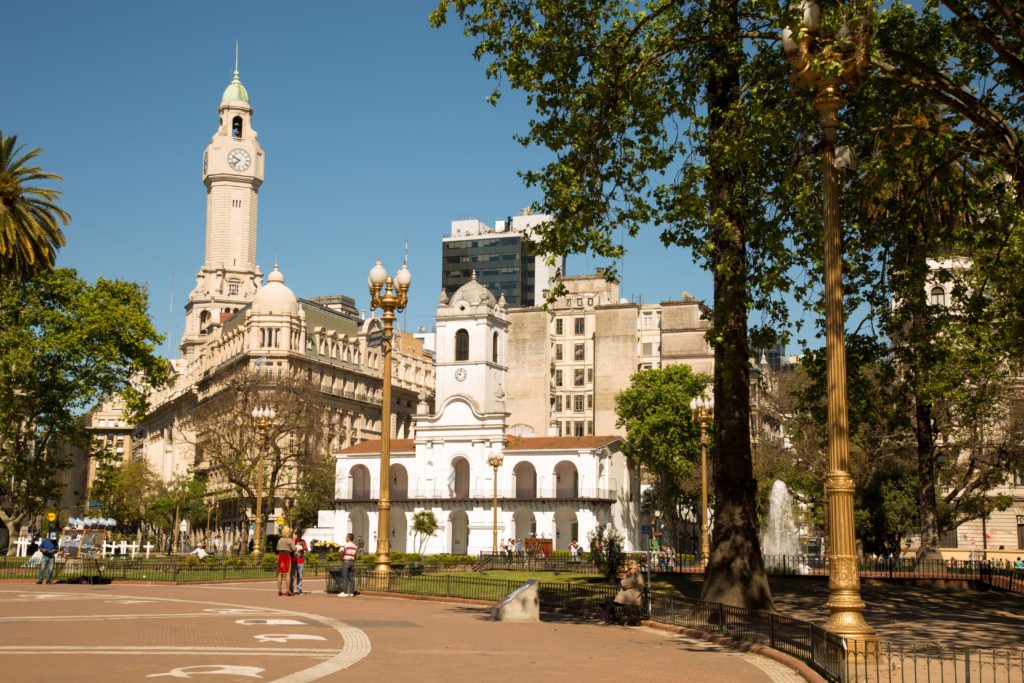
<point x="29" y="230"/>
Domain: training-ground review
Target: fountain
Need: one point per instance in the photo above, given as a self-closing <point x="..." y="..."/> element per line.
<point x="780" y="537"/>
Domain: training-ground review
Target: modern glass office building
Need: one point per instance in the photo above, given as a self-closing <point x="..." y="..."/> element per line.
<point x="501" y="257"/>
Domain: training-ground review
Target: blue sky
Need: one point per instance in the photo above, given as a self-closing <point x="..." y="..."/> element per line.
<point x="375" y="129"/>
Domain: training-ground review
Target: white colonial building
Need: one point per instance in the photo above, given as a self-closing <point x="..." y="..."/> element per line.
<point x="554" y="487"/>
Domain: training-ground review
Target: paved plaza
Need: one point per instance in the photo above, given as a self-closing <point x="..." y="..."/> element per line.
<point x="245" y="632"/>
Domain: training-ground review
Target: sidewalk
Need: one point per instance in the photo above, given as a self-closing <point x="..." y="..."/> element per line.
<point x="245" y="632"/>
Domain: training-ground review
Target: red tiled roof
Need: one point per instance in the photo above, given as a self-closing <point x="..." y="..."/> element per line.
<point x="526" y="443"/>
<point x="558" y="443"/>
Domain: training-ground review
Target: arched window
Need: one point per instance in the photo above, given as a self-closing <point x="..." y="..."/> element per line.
<point x="462" y="345"/>
<point x="494" y="348"/>
<point x="938" y="296"/>
<point x="236" y="127"/>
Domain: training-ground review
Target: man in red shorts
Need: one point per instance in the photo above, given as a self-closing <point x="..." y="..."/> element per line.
<point x="285" y="548"/>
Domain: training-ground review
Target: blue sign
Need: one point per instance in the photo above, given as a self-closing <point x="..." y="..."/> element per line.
<point x="645" y="529"/>
<point x="95" y="505"/>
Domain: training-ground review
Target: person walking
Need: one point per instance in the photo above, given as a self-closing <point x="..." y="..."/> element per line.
<point x="49" y="550"/>
<point x="299" y="559"/>
<point x="349" y="550"/>
<point x="285" y="548"/>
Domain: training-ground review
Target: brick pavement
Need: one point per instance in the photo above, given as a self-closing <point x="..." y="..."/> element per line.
<point x="125" y="632"/>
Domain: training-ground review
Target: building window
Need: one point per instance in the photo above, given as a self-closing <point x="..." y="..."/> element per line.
<point x="646" y="349"/>
<point x="232" y="289"/>
<point x="558" y="352"/>
<point x="558" y="404"/>
<point x="590" y="427"/>
<point x="590" y="400"/>
<point x="577" y="377"/>
<point x="947" y="539"/>
<point x="579" y="326"/>
<point x="577" y="429"/>
<point x="558" y="378"/>
<point x="494" y="348"/>
<point x="577" y="403"/>
<point x="590" y="301"/>
<point x="1020" y="532"/>
<point x="462" y="345"/>
<point x="938" y="296"/>
<point x="590" y="375"/>
<point x="558" y="326"/>
<point x="579" y="302"/>
<point x="648" y="320"/>
<point x="568" y="427"/>
<point x="236" y="127"/>
<point x="579" y="352"/>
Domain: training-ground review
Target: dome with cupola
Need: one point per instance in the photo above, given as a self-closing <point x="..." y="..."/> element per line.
<point x="472" y="293"/>
<point x="274" y="298"/>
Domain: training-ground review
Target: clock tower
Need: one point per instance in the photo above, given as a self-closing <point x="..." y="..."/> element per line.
<point x="232" y="174"/>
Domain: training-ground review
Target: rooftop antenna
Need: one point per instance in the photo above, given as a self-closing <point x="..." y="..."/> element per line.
<point x="236" y="56"/>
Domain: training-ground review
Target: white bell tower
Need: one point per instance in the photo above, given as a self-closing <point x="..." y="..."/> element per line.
<point x="472" y="340"/>
<point x="232" y="173"/>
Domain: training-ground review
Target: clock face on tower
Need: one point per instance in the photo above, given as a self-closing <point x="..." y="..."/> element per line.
<point x="460" y="375"/>
<point x="239" y="159"/>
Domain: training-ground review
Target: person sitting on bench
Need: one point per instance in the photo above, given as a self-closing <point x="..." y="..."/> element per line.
<point x="631" y="593"/>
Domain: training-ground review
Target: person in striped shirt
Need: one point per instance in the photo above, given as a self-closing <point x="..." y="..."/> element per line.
<point x="348" y="552"/>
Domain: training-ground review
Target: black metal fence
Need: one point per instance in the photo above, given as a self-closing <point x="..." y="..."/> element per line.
<point x="902" y="663"/>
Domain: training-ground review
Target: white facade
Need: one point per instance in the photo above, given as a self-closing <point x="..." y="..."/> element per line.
<point x="558" y="488"/>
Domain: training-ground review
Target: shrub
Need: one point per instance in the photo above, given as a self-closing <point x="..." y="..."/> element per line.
<point x="606" y="551"/>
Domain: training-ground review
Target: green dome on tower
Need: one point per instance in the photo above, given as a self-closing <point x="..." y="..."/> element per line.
<point x="235" y="91"/>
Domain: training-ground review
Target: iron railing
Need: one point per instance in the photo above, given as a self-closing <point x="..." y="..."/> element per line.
<point x="482" y="492"/>
<point x="904" y="663"/>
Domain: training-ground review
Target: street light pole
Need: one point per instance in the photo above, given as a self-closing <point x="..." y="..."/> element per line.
<point x="824" y="63"/>
<point x="495" y="461"/>
<point x="700" y="408"/>
<point x="392" y="299"/>
<point x="262" y="418"/>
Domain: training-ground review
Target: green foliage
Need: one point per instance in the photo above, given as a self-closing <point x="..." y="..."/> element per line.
<point x="30" y="232"/>
<point x="606" y="551"/>
<point x="424" y="525"/>
<point x="125" y="490"/>
<point x="315" y="489"/>
<point x="64" y="344"/>
<point x="661" y="436"/>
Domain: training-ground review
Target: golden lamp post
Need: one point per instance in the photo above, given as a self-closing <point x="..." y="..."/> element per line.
<point x="701" y="409"/>
<point x="495" y="461"/>
<point x="262" y="419"/>
<point x="393" y="298"/>
<point x="823" y="62"/>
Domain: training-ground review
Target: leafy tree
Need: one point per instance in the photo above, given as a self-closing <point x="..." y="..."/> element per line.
<point x="228" y="449"/>
<point x="606" y="551"/>
<point x="124" y="490"/>
<point x="177" y="500"/>
<point x="661" y="436"/>
<point x="30" y="232"/>
<point x="314" y="489"/>
<point x="424" y="525"/>
<point x="64" y="344"/>
<point x="675" y="114"/>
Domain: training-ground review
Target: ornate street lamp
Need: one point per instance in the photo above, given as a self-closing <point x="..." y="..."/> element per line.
<point x="495" y="461"/>
<point x="824" y="62"/>
<point x="702" y="409"/>
<point x="393" y="298"/>
<point x="262" y="419"/>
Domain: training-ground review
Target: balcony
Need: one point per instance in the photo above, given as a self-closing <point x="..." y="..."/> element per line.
<point x="485" y="493"/>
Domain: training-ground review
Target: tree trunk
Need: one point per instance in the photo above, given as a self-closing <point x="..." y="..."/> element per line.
<point x="735" y="574"/>
<point x="926" y="467"/>
<point x="13" y="525"/>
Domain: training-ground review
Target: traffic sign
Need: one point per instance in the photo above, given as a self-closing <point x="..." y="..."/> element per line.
<point x="280" y="521"/>
<point x="51" y="516"/>
<point x="375" y="338"/>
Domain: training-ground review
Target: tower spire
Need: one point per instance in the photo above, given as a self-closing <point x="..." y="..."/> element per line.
<point x="236" y="57"/>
